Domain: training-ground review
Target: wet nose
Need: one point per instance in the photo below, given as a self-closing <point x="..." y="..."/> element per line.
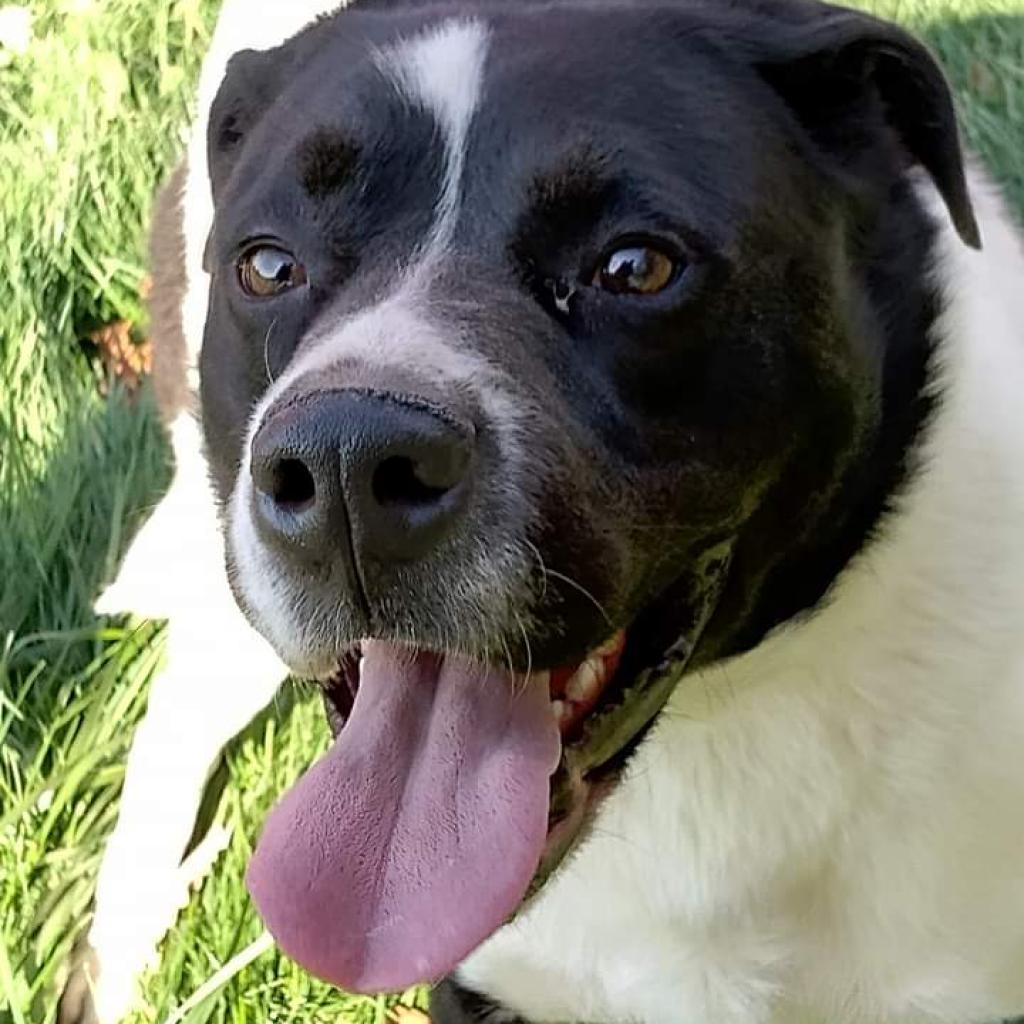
<point x="361" y="475"/>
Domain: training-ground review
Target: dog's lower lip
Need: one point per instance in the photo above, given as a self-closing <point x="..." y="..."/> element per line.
<point x="339" y="690"/>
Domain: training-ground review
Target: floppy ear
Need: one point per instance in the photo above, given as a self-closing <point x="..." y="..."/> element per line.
<point x="838" y="70"/>
<point x="252" y="81"/>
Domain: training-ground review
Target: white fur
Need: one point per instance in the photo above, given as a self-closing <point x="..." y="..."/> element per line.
<point x="831" y="827"/>
<point x="442" y="70"/>
<point x="174" y="560"/>
<point x="828" y="828"/>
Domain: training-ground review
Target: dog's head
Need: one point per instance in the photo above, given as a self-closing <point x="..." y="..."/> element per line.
<point x="549" y="345"/>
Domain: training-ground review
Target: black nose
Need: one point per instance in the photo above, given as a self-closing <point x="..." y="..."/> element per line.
<point x="360" y="475"/>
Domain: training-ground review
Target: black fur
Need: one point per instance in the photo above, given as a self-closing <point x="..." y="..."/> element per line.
<point x="771" y="399"/>
<point x="327" y="161"/>
<point x="452" y="1003"/>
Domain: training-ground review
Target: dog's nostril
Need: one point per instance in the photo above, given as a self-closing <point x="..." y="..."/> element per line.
<point x="400" y="481"/>
<point x="353" y="477"/>
<point x="293" y="487"/>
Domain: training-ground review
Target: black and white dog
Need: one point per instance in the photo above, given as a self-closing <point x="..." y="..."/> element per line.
<point x="612" y="404"/>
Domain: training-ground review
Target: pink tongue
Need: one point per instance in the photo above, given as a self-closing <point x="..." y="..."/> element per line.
<point x="417" y="834"/>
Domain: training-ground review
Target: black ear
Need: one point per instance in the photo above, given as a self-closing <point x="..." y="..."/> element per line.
<point x="252" y="81"/>
<point x="839" y="70"/>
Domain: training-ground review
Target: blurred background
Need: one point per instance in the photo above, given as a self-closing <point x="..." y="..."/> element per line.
<point x="94" y="105"/>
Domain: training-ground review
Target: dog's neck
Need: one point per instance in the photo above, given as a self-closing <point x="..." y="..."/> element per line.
<point x="945" y="560"/>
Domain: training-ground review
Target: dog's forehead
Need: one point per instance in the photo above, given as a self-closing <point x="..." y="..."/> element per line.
<point x="440" y="68"/>
<point x="513" y="96"/>
<point x="532" y="67"/>
<point x="439" y="152"/>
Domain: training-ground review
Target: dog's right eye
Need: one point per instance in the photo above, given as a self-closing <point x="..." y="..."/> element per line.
<point x="267" y="270"/>
<point x="641" y="268"/>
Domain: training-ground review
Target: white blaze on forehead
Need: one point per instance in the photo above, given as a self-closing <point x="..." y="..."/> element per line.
<point x="397" y="332"/>
<point x="442" y="71"/>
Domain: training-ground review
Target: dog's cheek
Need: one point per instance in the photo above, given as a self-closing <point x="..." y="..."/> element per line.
<point x="231" y="383"/>
<point x="588" y="526"/>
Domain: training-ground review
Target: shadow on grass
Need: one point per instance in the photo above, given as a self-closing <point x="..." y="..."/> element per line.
<point x="68" y="525"/>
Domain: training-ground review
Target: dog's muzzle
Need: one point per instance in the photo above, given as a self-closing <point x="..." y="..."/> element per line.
<point x="456" y="783"/>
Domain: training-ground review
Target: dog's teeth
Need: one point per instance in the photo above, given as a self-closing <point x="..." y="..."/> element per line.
<point x="586" y="683"/>
<point x="559" y="710"/>
<point x="611" y="645"/>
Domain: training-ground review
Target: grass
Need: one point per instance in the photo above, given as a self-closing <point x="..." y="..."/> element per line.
<point x="92" y="111"/>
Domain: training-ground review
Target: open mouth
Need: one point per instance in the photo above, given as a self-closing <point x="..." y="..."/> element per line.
<point x="576" y="691"/>
<point x="601" y="714"/>
<point x="452" y="791"/>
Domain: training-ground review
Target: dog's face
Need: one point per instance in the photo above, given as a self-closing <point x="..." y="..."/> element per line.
<point x="545" y="342"/>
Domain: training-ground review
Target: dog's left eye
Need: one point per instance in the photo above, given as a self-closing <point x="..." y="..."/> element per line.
<point x="641" y="269"/>
<point x="267" y="270"/>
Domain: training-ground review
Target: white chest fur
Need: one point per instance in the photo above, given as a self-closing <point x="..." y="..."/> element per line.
<point x="832" y="826"/>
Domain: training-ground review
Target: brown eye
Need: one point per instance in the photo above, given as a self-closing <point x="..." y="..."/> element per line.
<point x="265" y="271"/>
<point x="635" y="270"/>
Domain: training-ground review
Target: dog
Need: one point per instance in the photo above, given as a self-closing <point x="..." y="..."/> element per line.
<point x="616" y="406"/>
